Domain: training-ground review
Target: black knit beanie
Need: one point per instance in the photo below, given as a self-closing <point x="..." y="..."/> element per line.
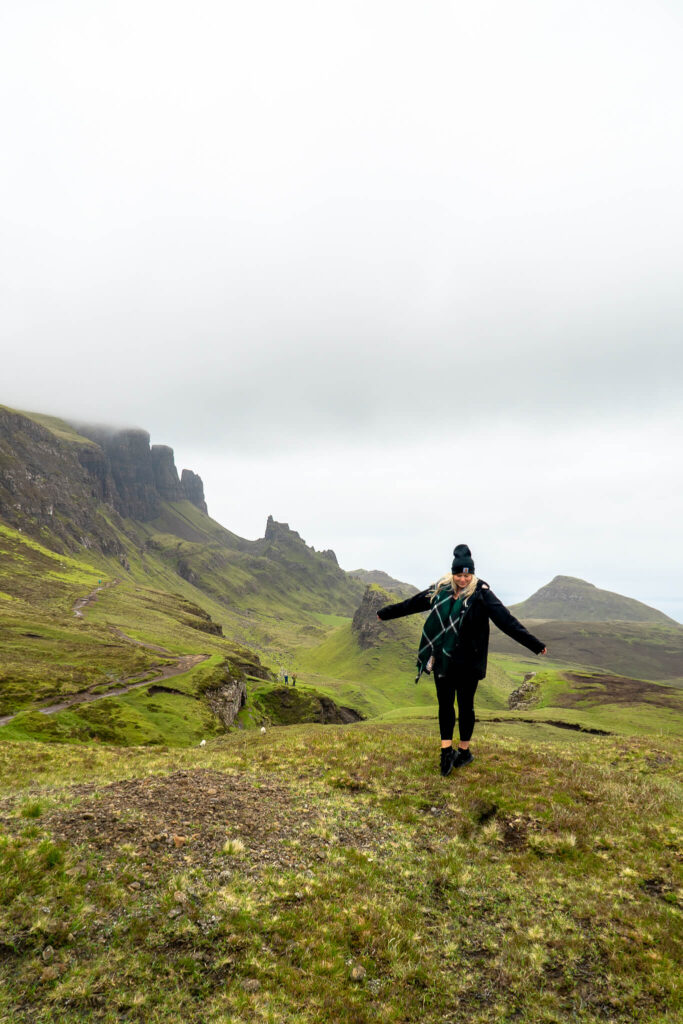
<point x="462" y="560"/>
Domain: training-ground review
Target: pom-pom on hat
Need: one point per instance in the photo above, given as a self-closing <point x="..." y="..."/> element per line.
<point x="462" y="560"/>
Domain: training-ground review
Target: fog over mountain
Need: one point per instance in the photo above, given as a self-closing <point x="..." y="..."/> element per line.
<point x="402" y="276"/>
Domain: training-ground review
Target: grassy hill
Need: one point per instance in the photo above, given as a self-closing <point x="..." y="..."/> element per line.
<point x="334" y="876"/>
<point x="569" y="599"/>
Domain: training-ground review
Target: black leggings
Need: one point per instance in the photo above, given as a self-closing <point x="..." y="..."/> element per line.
<point x="464" y="686"/>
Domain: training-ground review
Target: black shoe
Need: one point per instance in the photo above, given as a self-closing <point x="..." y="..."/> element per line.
<point x="462" y="757"/>
<point x="446" y="760"/>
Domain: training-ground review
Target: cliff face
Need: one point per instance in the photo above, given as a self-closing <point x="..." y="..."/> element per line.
<point x="58" y="480"/>
<point x="136" y="477"/>
<point x="166" y="481"/>
<point x="129" y="466"/>
<point x="47" y="484"/>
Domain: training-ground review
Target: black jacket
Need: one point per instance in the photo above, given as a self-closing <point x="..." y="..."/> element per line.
<point x="471" y="652"/>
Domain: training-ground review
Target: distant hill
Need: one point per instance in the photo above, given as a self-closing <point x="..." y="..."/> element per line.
<point x="384" y="580"/>
<point x="568" y="599"/>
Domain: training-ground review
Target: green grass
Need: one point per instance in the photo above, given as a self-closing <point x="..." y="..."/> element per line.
<point x="333" y="620"/>
<point x="58" y="427"/>
<point x="334" y="876"/>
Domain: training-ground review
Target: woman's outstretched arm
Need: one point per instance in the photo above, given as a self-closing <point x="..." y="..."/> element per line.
<point x="506" y="622"/>
<point x="418" y="603"/>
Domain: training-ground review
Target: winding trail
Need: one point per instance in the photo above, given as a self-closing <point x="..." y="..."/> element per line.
<point x="181" y="663"/>
<point x="85" y="602"/>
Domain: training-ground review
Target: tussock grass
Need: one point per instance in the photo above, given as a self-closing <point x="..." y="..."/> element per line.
<point x="541" y="883"/>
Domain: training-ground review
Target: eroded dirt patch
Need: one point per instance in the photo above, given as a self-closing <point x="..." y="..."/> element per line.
<point x="608" y="689"/>
<point x="187" y="814"/>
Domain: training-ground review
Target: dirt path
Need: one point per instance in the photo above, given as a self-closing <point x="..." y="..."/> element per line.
<point x="156" y="673"/>
<point x="85" y="602"/>
<point x="183" y="664"/>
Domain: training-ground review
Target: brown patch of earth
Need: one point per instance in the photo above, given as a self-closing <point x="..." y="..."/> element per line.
<point x="609" y="689"/>
<point x="187" y="816"/>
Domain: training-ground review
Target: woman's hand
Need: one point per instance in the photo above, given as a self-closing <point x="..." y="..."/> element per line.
<point x="544" y="651"/>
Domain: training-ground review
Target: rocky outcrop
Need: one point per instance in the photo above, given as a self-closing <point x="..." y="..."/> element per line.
<point x="337" y="714"/>
<point x="229" y="695"/>
<point x="365" y="625"/>
<point x="283" y="535"/>
<point x="166" y="480"/>
<point x="280" y="532"/>
<point x="526" y="695"/>
<point x="227" y="700"/>
<point x="289" y="705"/>
<point x="193" y="490"/>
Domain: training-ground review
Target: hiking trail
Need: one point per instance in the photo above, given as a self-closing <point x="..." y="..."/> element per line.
<point x="116" y="687"/>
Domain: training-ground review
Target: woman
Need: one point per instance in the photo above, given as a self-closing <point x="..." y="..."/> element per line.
<point x="454" y="645"/>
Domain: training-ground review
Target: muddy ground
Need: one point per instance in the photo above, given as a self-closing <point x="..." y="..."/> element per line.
<point x="187" y="816"/>
<point x="608" y="689"/>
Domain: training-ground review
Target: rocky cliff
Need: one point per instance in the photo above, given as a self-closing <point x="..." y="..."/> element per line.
<point x="78" y="483"/>
<point x="135" y="476"/>
<point x="301" y="568"/>
<point x="47" y="485"/>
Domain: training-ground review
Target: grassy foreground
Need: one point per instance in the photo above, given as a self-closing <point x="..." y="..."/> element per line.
<point x="328" y="874"/>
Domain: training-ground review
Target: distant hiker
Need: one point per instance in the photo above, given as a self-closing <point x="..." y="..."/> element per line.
<point x="454" y="645"/>
<point x="286" y="679"/>
<point x="293" y="678"/>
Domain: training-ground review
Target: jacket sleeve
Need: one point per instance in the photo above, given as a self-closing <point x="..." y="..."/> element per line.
<point x="418" y="603"/>
<point x="506" y="622"/>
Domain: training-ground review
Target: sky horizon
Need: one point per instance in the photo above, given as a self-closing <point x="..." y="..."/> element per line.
<point x="401" y="277"/>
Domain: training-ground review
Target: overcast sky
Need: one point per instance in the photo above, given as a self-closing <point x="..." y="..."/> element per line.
<point x="402" y="274"/>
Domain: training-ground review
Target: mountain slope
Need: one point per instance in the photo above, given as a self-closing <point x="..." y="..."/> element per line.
<point x="78" y="511"/>
<point x="112" y="493"/>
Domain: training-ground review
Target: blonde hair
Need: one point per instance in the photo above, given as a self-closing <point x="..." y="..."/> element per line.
<point x="447" y="581"/>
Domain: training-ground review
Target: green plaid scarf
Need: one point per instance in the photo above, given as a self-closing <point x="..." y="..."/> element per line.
<point x="440" y="631"/>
